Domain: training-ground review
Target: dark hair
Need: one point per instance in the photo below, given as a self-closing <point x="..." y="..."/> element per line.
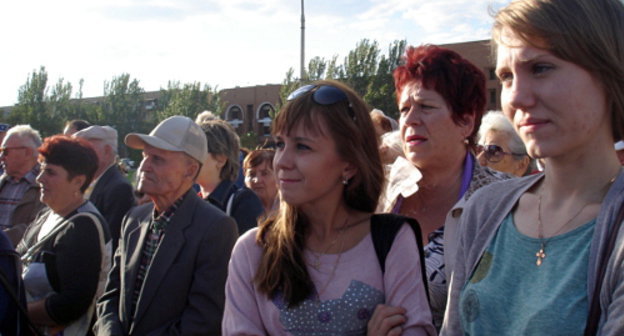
<point x="223" y="140"/>
<point x="257" y="157"/>
<point x="75" y="155"/>
<point x="78" y="124"/>
<point x="282" y="237"/>
<point x="588" y="33"/>
<point x="459" y="82"/>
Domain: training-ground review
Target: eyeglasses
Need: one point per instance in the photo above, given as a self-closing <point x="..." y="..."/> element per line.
<point x="7" y="150"/>
<point x="323" y="95"/>
<point x="494" y="153"/>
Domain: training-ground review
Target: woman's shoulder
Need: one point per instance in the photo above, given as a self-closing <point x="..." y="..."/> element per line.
<point x="247" y="243"/>
<point x="497" y="190"/>
<point x="484" y="176"/>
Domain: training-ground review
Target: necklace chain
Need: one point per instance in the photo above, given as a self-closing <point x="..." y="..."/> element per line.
<point x="317" y="256"/>
<point x="317" y="262"/>
<point x="541" y="253"/>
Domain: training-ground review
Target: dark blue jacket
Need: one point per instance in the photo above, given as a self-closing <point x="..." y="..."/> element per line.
<point x="11" y="321"/>
<point x="246" y="207"/>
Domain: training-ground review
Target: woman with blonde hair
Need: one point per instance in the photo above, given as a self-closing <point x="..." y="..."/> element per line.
<point x="314" y="267"/>
<point x="543" y="254"/>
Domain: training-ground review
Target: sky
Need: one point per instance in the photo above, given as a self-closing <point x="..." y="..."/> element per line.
<point x="223" y="43"/>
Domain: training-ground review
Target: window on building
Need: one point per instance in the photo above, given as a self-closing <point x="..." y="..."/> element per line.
<point x="493" y="99"/>
<point x="264" y="118"/>
<point x="234" y="116"/>
<point x="492" y="74"/>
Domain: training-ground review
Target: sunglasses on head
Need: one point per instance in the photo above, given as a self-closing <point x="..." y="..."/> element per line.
<point x="323" y="95"/>
<point x="494" y="153"/>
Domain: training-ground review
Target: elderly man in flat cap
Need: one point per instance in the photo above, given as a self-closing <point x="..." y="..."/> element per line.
<point x="110" y="191"/>
<point x="170" y="268"/>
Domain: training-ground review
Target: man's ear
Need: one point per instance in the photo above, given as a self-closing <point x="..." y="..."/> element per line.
<point x="192" y="170"/>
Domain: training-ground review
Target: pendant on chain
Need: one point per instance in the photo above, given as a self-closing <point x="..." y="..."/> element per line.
<point x="540" y="255"/>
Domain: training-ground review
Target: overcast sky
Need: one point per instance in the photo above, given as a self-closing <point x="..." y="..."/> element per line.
<point x="223" y="43"/>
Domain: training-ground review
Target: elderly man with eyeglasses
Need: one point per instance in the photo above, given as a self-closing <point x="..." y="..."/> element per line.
<point x="19" y="192"/>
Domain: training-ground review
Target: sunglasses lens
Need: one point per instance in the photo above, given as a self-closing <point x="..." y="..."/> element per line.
<point x="327" y="95"/>
<point x="494" y="153"/>
<point x="300" y="91"/>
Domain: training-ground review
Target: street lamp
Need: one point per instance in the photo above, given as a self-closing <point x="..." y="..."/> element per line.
<point x="301" y="66"/>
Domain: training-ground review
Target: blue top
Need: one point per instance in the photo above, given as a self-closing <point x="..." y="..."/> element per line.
<point x="508" y="294"/>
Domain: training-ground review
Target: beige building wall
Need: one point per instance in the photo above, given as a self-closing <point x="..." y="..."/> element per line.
<point x="249" y="109"/>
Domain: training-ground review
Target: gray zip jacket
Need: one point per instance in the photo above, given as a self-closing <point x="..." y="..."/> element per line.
<point x="480" y="220"/>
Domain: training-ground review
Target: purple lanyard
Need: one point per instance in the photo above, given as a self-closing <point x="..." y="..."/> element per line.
<point x="467" y="174"/>
<point x="466" y="179"/>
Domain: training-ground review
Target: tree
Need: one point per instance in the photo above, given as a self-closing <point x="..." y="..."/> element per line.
<point x="188" y="100"/>
<point x="380" y="92"/>
<point x="360" y="66"/>
<point x="365" y="69"/>
<point x="289" y="84"/>
<point x="123" y="108"/>
<point x="32" y="101"/>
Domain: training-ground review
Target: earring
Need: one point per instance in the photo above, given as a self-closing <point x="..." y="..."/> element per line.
<point x="345" y="180"/>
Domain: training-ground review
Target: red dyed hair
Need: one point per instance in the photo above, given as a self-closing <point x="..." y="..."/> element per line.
<point x="75" y="155"/>
<point x="459" y="82"/>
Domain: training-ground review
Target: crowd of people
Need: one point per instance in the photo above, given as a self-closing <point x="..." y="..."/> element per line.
<point x="449" y="220"/>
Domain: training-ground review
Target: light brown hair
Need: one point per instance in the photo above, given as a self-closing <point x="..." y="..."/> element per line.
<point x="588" y="33"/>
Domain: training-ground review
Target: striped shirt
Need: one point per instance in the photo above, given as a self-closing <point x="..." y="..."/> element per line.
<point x="12" y="192"/>
<point x="156" y="232"/>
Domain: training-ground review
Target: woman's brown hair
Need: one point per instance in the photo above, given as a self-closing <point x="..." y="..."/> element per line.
<point x="588" y="33"/>
<point x="282" y="269"/>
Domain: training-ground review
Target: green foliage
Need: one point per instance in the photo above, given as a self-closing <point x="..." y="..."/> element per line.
<point x="249" y="140"/>
<point x="31" y="107"/>
<point x="123" y="109"/>
<point x="289" y="84"/>
<point x="365" y="69"/>
<point x="188" y="100"/>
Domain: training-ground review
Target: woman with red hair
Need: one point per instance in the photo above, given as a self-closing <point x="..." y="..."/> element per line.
<point x="441" y="98"/>
<point x="66" y="251"/>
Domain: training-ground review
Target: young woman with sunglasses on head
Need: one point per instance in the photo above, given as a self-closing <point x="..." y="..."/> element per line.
<point x="500" y="146"/>
<point x="441" y="98"/>
<point x="312" y="269"/>
<point x="543" y="254"/>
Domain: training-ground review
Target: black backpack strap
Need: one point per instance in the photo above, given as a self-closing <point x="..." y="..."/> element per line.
<point x="384" y="228"/>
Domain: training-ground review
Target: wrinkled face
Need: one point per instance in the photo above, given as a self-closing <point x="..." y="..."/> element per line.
<point x="556" y="106"/>
<point x="308" y="167"/>
<point x="162" y="173"/>
<point x="17" y="156"/>
<point x="503" y="161"/>
<point x="261" y="180"/>
<point x="57" y="189"/>
<point x="430" y="137"/>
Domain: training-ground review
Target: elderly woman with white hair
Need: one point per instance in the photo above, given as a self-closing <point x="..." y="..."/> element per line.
<point x="500" y="147"/>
